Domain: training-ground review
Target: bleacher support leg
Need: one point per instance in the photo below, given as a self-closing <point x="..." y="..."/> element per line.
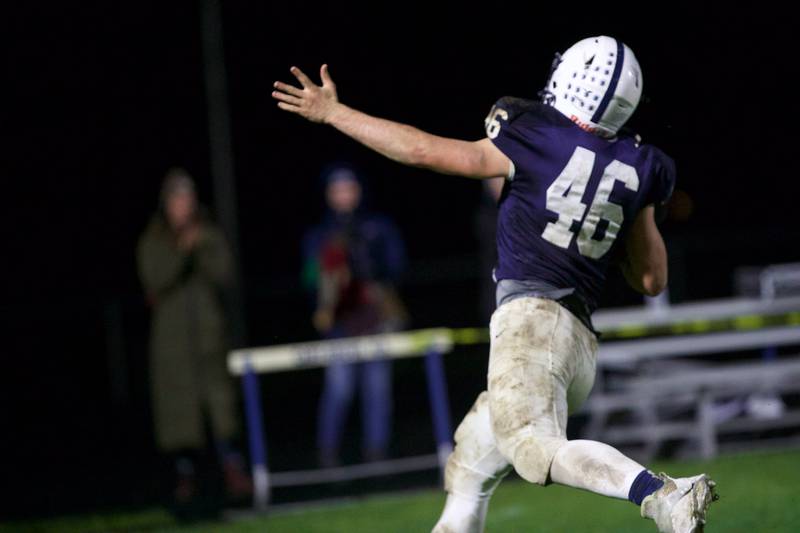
<point x="708" y="430"/>
<point x="440" y="406"/>
<point x="255" y="435"/>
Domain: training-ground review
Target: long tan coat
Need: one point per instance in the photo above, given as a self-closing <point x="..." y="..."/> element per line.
<point x="187" y="336"/>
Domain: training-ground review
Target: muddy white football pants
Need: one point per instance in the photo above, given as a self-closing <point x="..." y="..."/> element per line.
<point x="541" y="368"/>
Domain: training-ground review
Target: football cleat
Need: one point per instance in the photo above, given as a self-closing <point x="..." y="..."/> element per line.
<point x="680" y="505"/>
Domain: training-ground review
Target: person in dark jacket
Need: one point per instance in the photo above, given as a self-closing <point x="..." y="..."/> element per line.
<point x="184" y="264"/>
<point x="353" y="260"/>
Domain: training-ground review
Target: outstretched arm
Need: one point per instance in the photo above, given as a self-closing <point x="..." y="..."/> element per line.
<point x="399" y="142"/>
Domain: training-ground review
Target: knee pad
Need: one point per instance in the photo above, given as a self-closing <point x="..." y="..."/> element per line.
<point x="533" y="455"/>
<point x="529" y="445"/>
<point x="476" y="466"/>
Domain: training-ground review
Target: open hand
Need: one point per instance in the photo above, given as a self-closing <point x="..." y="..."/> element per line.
<point x="314" y="102"/>
<point x="189" y="237"/>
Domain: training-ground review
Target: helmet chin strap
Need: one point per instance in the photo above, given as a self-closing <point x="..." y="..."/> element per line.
<point x="546" y="95"/>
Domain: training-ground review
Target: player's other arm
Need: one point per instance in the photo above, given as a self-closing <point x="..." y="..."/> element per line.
<point x="399" y="142"/>
<point x="645" y="264"/>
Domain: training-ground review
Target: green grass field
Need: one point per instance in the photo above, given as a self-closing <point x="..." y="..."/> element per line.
<point x="759" y="493"/>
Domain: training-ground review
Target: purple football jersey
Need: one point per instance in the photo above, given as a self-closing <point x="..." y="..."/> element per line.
<point x="571" y="198"/>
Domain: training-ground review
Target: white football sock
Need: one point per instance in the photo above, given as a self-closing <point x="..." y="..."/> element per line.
<point x="595" y="467"/>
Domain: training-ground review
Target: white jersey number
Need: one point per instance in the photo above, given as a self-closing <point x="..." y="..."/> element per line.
<point x="492" y="122"/>
<point x="564" y="197"/>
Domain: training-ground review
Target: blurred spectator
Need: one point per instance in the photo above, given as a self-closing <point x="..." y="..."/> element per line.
<point x="352" y="261"/>
<point x="184" y="263"/>
<point x="486" y="230"/>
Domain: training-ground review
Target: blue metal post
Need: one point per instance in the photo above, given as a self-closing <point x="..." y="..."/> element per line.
<point x="255" y="434"/>
<point x="440" y="405"/>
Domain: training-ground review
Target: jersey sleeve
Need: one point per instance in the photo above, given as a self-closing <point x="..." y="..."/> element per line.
<point x="509" y="126"/>
<point x="663" y="180"/>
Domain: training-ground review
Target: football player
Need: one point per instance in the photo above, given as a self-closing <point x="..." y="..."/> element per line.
<point x="580" y="193"/>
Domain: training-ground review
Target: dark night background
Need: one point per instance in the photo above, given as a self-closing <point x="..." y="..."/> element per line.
<point x="102" y="97"/>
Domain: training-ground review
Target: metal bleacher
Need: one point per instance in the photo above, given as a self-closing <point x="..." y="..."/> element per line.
<point x="654" y="391"/>
<point x="697" y="390"/>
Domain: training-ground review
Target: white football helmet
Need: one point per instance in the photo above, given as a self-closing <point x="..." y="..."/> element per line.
<point x="596" y="83"/>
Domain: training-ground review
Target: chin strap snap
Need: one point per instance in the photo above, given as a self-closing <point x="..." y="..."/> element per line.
<point x="546" y="96"/>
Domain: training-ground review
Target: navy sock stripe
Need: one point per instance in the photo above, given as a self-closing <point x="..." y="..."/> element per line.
<point x="644" y="485"/>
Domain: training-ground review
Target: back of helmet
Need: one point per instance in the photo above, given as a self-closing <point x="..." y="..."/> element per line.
<point x="596" y="83"/>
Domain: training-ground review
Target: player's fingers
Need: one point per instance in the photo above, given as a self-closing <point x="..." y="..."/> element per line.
<point x="288" y="107"/>
<point x="289" y="89"/>
<point x="325" y="75"/>
<point x="304" y="80"/>
<point x="288" y="98"/>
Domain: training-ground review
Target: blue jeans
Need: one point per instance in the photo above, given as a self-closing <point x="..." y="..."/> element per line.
<point x="375" y="379"/>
